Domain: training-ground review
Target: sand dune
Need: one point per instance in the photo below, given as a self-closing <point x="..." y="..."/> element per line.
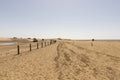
<point x="5" y="39"/>
<point x="65" y="60"/>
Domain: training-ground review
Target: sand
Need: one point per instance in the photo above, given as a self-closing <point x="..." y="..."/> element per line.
<point x="5" y="39"/>
<point x="64" y="60"/>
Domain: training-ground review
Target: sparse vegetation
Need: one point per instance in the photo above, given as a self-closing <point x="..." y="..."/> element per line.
<point x="14" y="37"/>
<point x="28" y="38"/>
<point x="42" y="39"/>
<point x="93" y="39"/>
<point x="35" y="40"/>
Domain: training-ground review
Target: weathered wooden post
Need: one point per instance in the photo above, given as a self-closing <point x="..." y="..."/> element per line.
<point x="42" y="44"/>
<point x="92" y="42"/>
<point x="37" y="46"/>
<point x="18" y="49"/>
<point x="30" y="47"/>
<point x="50" y="42"/>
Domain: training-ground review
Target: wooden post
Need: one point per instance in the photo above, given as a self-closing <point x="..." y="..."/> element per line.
<point x="42" y="44"/>
<point x="37" y="46"/>
<point x="92" y="42"/>
<point x="50" y="42"/>
<point x="30" y="48"/>
<point x="18" y="49"/>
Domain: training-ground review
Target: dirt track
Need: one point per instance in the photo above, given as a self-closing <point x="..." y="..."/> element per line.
<point x="64" y="61"/>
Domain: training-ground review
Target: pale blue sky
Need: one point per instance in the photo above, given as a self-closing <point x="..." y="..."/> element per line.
<point x="77" y="19"/>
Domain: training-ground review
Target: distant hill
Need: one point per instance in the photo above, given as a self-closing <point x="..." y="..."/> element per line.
<point x="14" y="40"/>
<point x="5" y="39"/>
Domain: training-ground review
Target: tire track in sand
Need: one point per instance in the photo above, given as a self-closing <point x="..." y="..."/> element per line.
<point x="107" y="65"/>
<point x="71" y="65"/>
<point x="68" y="66"/>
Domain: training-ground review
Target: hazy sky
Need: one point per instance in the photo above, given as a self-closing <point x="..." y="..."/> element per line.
<point x="78" y="19"/>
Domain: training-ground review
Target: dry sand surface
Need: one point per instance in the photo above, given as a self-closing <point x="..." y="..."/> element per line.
<point x="64" y="60"/>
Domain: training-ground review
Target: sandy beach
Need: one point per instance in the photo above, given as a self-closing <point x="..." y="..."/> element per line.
<point x="64" y="60"/>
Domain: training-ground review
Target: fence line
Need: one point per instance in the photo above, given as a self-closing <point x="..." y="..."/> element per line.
<point x="43" y="44"/>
